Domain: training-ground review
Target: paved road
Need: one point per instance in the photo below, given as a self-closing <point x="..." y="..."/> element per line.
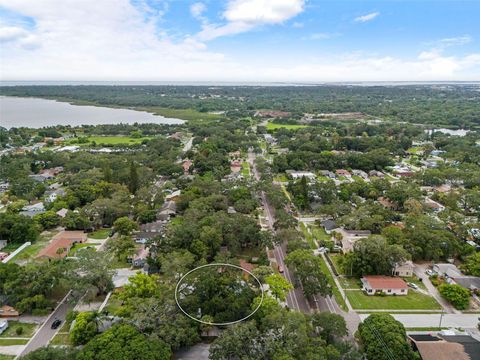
<point x="433" y="320"/>
<point x="419" y="271"/>
<point x="43" y="336"/>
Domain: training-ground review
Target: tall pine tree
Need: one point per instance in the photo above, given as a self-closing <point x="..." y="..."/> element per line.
<point x="133" y="179"/>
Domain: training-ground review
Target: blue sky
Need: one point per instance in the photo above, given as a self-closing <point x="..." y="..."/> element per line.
<point x="240" y="40"/>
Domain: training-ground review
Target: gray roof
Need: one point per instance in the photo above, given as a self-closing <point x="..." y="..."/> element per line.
<point x="468" y="282"/>
<point x="329" y="224"/>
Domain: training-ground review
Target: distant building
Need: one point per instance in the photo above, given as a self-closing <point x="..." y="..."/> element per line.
<point x="328" y="225"/>
<point x="140" y="258"/>
<point x="8" y="311"/>
<point x="32" y="210"/>
<point x="445" y="347"/>
<point x="327" y="173"/>
<point x="342" y="172"/>
<point x="236" y="166"/>
<point x="385" y="284"/>
<point x="299" y="174"/>
<point x="174" y="196"/>
<point x="360" y="173"/>
<point x="375" y="173"/>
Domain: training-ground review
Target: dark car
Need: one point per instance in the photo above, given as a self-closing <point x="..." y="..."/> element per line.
<point x="56" y="324"/>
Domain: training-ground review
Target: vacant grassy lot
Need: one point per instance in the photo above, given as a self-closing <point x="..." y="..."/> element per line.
<point x="412" y="301"/>
<point x="245" y="169"/>
<point x="28" y="329"/>
<point x="350" y="282"/>
<point x="31" y="251"/>
<point x="183" y="114"/>
<point x="336" y="292"/>
<point x="273" y="126"/>
<point x="100" y="234"/>
<point x="110" y="140"/>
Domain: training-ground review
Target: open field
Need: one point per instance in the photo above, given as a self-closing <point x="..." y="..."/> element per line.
<point x="184" y="114"/>
<point x="273" y="126"/>
<point x="109" y="140"/>
<point x="412" y="301"/>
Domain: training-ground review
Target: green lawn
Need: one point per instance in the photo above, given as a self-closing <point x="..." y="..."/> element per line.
<point x="109" y="140"/>
<point x="280" y="178"/>
<point x="336" y="261"/>
<point x="11" y="247"/>
<point x="61" y="339"/>
<point x="31" y="251"/>
<point x="77" y="247"/>
<point x="319" y="233"/>
<point x="100" y="234"/>
<point x="6" y="357"/>
<point x="308" y="236"/>
<point x="350" y="282"/>
<point x="273" y="126"/>
<point x="245" y="169"/>
<point x="184" y="114"/>
<point x="336" y="292"/>
<point x="9" y="342"/>
<point x="412" y="301"/>
<point x="28" y="329"/>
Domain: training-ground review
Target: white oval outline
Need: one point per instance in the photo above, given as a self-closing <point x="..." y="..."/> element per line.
<point x="212" y="323"/>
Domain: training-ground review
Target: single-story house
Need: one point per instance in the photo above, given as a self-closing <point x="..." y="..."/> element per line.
<point x="471" y="283"/>
<point x="350" y="237"/>
<point x="360" y="173"/>
<point x="327" y="173"/>
<point x="168" y="208"/>
<point x="174" y="196"/>
<point x="8" y="311"/>
<point x="375" y="173"/>
<point x="342" y="172"/>
<point x="403" y="269"/>
<point x="236" y="166"/>
<point x="62" y="212"/>
<point x="385" y="284"/>
<point x="61" y="244"/>
<point x="328" y="225"/>
<point x="140" y="258"/>
<point x="41" y="177"/>
<point x="446" y="345"/>
<point x="32" y="210"/>
<point x="432" y="204"/>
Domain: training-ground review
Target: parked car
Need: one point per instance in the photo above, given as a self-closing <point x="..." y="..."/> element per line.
<point x="429" y="272"/>
<point x="280" y="269"/>
<point x="56" y="324"/>
<point x="412" y="285"/>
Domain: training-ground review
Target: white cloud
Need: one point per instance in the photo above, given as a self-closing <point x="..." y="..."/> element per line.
<point x="197" y="10"/>
<point x="321" y="36"/>
<point x="245" y="15"/>
<point x="297" y="25"/>
<point x="112" y="40"/>
<point x="453" y="41"/>
<point x="367" y="17"/>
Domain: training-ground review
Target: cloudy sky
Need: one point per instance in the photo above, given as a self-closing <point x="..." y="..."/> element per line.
<point x="240" y="40"/>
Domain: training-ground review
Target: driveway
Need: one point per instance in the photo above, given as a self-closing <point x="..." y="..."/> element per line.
<point x="419" y="270"/>
<point x="43" y="336"/>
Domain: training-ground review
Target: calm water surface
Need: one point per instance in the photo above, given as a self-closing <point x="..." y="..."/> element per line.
<point x="37" y="113"/>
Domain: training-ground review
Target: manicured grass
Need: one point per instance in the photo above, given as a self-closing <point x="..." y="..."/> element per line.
<point x="7" y="357"/>
<point x="28" y="329"/>
<point x="273" y="126"/>
<point x="10" y="342"/>
<point x="308" y="236"/>
<point x="336" y="292"/>
<point x="412" y="301"/>
<point x="61" y="339"/>
<point x="245" y="169"/>
<point x="77" y="247"/>
<point x="184" y="114"/>
<point x="350" y="282"/>
<point x="319" y="233"/>
<point x="99" y="234"/>
<point x="31" y="251"/>
<point x="280" y="178"/>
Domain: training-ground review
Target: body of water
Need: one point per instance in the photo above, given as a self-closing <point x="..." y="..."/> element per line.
<point x="37" y="113"/>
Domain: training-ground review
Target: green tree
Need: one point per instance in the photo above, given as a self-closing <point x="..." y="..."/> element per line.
<point x="140" y="286"/>
<point x="125" y="226"/>
<point x="329" y="325"/>
<point x="133" y="182"/>
<point x="47" y="220"/>
<point x="457" y="295"/>
<point x="84" y="328"/>
<point x="278" y="285"/>
<point x="384" y="338"/>
<point x="51" y="353"/>
<point x="124" y="342"/>
<point x="472" y="264"/>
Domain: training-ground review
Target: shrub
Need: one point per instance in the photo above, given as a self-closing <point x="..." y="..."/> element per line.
<point x="458" y="296"/>
<point x="19" y="330"/>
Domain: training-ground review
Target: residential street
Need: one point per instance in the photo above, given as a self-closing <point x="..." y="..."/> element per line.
<point x="43" y="336"/>
<point x="433" y="320"/>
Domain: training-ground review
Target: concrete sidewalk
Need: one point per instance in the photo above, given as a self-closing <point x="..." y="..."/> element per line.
<point x="463" y="321"/>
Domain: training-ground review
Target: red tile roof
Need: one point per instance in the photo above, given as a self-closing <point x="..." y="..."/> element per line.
<point x="385" y="282"/>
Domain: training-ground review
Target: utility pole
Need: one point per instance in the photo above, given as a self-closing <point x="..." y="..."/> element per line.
<point x="440" y="324"/>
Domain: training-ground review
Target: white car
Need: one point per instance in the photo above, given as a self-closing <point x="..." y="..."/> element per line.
<point x="412" y="285"/>
<point x="429" y="272"/>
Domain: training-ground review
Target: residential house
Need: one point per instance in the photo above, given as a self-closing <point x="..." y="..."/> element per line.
<point x="446" y="345"/>
<point x="385" y="284"/>
<point x="342" y="172"/>
<point x="236" y="166"/>
<point x="174" y="196"/>
<point x="360" y="173"/>
<point x="8" y="311"/>
<point x="471" y="283"/>
<point x="350" y="237"/>
<point x="433" y="205"/>
<point x="62" y="212"/>
<point x="270" y="139"/>
<point x="168" y="208"/>
<point x="404" y="269"/>
<point x="41" y="177"/>
<point x="32" y="210"/>
<point x="149" y="231"/>
<point x="61" y="244"/>
<point x="327" y="173"/>
<point x="328" y="225"/>
<point x="299" y="174"/>
<point x="446" y="270"/>
<point x="375" y="173"/>
<point x="140" y="258"/>
<point x="187" y="163"/>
